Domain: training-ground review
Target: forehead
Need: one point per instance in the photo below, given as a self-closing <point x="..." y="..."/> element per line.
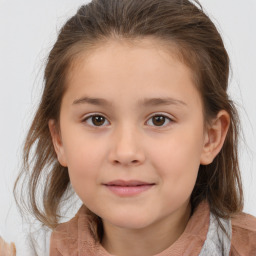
<point x="118" y="68"/>
<point x="119" y="46"/>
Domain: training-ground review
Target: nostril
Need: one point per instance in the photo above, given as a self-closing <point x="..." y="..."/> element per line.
<point x="133" y="161"/>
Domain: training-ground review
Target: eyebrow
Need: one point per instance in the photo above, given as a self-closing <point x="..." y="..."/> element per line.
<point x="145" y="102"/>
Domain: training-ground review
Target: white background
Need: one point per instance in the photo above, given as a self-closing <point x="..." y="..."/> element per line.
<point x="28" y="29"/>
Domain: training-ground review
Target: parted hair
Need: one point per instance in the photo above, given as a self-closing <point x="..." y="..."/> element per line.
<point x="181" y="24"/>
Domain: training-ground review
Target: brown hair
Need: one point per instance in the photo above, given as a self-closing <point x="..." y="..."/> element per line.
<point x="198" y="44"/>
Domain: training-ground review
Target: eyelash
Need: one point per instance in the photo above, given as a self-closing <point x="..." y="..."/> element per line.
<point x="99" y="115"/>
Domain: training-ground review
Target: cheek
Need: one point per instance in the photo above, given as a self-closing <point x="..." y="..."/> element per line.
<point x="82" y="151"/>
<point x="177" y="160"/>
<point x="84" y="160"/>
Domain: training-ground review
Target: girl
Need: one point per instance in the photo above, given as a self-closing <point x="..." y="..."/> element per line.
<point x="135" y="118"/>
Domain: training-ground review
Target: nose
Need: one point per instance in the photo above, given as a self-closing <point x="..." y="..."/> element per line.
<point x="126" y="147"/>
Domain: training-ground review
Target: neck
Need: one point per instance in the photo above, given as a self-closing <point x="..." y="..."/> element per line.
<point x="150" y="240"/>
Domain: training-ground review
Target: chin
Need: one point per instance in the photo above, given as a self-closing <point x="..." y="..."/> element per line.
<point x="128" y="222"/>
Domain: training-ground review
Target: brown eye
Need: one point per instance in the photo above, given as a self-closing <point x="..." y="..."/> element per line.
<point x="98" y="120"/>
<point x="160" y="120"/>
<point x="95" y="120"/>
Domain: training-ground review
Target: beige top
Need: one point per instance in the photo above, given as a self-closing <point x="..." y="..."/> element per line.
<point x="74" y="239"/>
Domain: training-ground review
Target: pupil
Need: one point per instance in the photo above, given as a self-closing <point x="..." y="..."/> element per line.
<point x="98" y="120"/>
<point x="159" y="120"/>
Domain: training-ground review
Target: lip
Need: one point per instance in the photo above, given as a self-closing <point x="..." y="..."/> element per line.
<point x="128" y="188"/>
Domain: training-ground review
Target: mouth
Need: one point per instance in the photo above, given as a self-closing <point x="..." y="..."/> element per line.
<point x="128" y="188"/>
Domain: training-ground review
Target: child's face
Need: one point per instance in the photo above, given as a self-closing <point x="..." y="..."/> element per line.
<point x="125" y="143"/>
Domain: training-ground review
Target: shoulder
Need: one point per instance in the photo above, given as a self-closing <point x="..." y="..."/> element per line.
<point x="64" y="238"/>
<point x="243" y="234"/>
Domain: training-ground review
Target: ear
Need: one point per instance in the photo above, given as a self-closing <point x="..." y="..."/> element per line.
<point x="57" y="142"/>
<point x="214" y="137"/>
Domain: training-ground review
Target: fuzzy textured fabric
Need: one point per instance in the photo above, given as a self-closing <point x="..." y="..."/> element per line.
<point x="202" y="236"/>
